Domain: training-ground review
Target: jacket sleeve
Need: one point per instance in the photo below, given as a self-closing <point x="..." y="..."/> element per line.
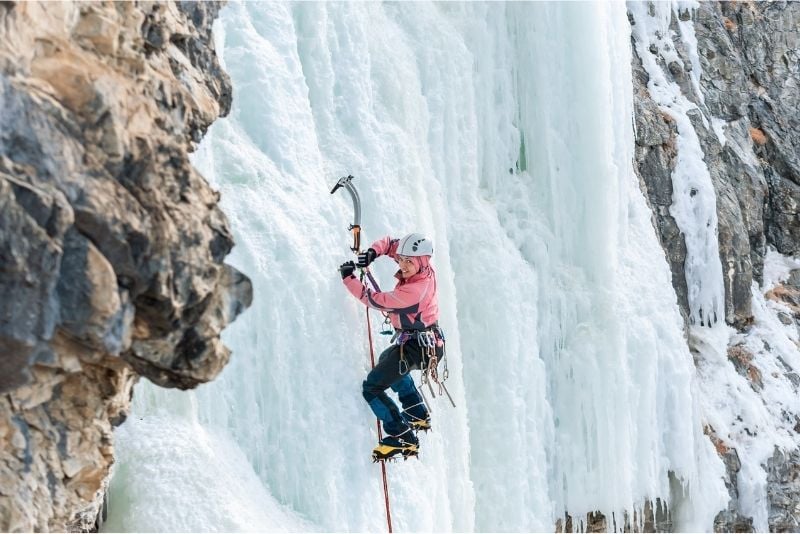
<point x="403" y="299"/>
<point x="385" y="246"/>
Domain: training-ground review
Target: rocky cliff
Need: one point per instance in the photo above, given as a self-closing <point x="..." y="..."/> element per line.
<point x="746" y="114"/>
<point x="111" y="244"/>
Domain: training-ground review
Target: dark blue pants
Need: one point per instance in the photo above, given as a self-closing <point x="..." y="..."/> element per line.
<point x="388" y="373"/>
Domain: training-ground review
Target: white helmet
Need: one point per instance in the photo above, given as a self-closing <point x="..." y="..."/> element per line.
<point x="415" y="245"/>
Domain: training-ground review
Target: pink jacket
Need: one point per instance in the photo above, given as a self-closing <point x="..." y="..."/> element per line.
<point x="412" y="304"/>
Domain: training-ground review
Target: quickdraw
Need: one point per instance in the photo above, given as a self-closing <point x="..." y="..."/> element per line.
<point x="428" y="341"/>
<point x="386" y="328"/>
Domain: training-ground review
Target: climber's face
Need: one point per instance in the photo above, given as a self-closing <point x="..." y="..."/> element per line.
<point x="408" y="267"/>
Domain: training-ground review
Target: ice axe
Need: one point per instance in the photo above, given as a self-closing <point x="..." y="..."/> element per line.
<point x="347" y="183"/>
<point x="355" y="228"/>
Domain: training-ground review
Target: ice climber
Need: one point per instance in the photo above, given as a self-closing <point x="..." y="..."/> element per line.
<point x="413" y="310"/>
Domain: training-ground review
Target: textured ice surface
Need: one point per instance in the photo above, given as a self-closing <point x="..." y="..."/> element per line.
<point x="504" y="132"/>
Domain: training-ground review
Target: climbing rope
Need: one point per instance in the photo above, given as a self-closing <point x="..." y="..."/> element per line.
<point x="347" y="183"/>
<point x="377" y="421"/>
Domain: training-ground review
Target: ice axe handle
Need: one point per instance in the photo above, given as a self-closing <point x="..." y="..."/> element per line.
<point x="356" y="229"/>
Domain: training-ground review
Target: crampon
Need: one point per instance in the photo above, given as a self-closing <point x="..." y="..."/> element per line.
<point x="394" y="452"/>
<point x="419" y="424"/>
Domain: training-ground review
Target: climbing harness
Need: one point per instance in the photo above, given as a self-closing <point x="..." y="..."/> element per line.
<point x="386" y="328"/>
<point x="428" y="340"/>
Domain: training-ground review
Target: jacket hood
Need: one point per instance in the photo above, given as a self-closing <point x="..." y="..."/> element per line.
<point x="422" y="262"/>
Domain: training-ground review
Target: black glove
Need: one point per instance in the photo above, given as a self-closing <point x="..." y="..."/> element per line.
<point x="365" y="258"/>
<point x="346" y="269"/>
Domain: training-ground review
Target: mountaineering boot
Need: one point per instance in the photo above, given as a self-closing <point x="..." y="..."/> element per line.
<point x="390" y="446"/>
<point x="417" y="417"/>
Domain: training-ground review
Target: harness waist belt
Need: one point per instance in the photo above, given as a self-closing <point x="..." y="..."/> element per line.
<point x="415" y="330"/>
<point x="430" y="337"/>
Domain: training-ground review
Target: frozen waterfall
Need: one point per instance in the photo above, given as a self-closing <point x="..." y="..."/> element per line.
<point x="503" y="131"/>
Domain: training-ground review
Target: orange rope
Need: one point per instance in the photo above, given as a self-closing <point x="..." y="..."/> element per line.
<point x="380" y="434"/>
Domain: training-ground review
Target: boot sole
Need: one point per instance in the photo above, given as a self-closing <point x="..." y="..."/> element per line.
<point x="385" y="452"/>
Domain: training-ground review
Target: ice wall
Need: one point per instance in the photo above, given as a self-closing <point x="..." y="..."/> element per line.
<point x="505" y="133"/>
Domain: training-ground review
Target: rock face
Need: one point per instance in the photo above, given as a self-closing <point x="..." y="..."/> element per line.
<point x="783" y="491"/>
<point x="111" y="244"/>
<point x="654" y="517"/>
<point x="749" y="90"/>
<point x="748" y="54"/>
